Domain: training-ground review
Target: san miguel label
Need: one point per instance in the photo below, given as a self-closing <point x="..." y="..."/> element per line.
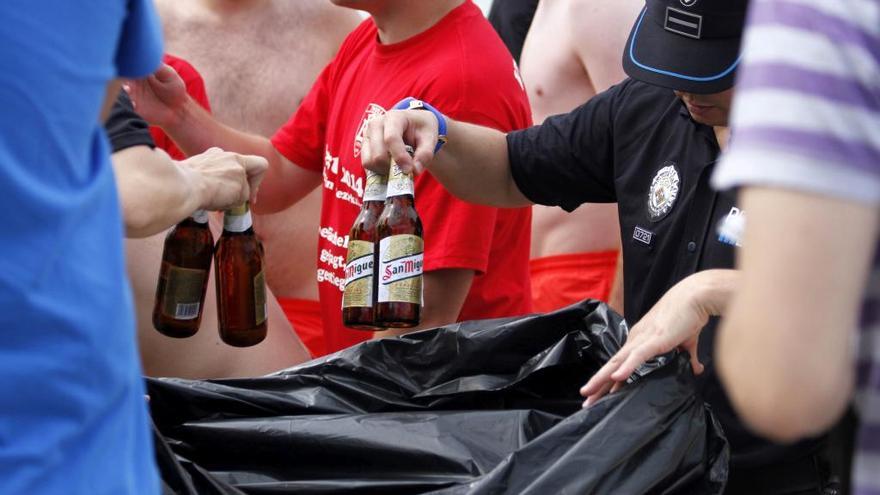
<point x="358" y="275"/>
<point x="400" y="268"/>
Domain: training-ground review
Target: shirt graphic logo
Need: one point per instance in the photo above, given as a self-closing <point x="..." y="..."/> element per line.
<point x="372" y="110"/>
<point x="688" y="3"/>
<point x="643" y="235"/>
<point x="731" y="228"/>
<point x="663" y="193"/>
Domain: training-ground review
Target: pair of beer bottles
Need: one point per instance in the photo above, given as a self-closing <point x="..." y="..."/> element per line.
<point x="383" y="289"/>
<point x="241" y="285"/>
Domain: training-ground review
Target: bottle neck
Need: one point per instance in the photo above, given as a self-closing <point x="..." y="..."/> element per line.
<point x="400" y="183"/>
<point x="238" y="220"/>
<point x="403" y="200"/>
<point x="200" y="217"/>
<point x="377" y="188"/>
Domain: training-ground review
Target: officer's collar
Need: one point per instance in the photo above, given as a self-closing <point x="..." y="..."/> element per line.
<point x="682" y="108"/>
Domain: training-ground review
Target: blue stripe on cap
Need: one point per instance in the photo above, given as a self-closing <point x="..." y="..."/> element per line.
<point x="632" y="57"/>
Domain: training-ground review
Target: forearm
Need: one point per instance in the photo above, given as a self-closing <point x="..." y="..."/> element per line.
<point x="445" y="293"/>
<point x="195" y="130"/>
<point x="474" y="166"/>
<point x="785" y="353"/>
<point x="155" y="193"/>
<point x="774" y="379"/>
<point x="716" y="289"/>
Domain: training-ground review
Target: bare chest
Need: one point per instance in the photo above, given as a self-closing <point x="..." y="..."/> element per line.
<point x="256" y="71"/>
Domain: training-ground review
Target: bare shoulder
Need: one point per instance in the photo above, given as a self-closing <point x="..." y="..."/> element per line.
<point x="601" y="22"/>
<point x="318" y="16"/>
<point x="598" y="31"/>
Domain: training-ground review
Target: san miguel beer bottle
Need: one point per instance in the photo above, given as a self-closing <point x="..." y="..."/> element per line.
<point x="401" y="253"/>
<point x="359" y="296"/>
<point x="183" y="277"/>
<point x="241" y="284"/>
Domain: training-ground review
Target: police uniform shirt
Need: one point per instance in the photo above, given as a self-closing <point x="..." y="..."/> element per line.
<point x="637" y="145"/>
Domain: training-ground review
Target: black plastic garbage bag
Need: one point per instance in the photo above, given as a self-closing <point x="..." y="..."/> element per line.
<point x="482" y="407"/>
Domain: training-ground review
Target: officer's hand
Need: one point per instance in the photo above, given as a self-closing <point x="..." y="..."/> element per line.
<point x="223" y="179"/>
<point x="160" y="97"/>
<point x="386" y="135"/>
<point x="674" y="322"/>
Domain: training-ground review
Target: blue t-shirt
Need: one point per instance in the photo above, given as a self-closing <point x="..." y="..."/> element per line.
<point x="73" y="418"/>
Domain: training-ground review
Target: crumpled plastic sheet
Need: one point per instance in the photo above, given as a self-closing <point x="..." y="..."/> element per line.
<point x="480" y="407"/>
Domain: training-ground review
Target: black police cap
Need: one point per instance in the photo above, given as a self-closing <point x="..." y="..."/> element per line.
<point x="686" y="45"/>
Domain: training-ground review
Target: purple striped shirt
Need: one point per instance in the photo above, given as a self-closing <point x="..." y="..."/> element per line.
<point x="807" y="116"/>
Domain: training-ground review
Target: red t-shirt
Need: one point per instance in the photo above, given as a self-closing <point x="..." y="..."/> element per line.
<point x="462" y="68"/>
<point x="195" y="86"/>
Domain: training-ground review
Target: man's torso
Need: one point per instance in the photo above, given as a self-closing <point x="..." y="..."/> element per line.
<point x="558" y="79"/>
<point x="367" y="81"/>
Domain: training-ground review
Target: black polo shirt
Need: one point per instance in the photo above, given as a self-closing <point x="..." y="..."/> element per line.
<point x="636" y="145"/>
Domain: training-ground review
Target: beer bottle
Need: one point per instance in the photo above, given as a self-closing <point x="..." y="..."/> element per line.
<point x="401" y="252"/>
<point x="183" y="277"/>
<point x="241" y="284"/>
<point x="359" y="296"/>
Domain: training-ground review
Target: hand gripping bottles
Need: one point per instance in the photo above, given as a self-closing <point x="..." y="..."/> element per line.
<point x="241" y="284"/>
<point x="183" y="277"/>
<point x="401" y="253"/>
<point x="359" y="296"/>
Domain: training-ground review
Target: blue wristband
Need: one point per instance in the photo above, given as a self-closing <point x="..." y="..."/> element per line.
<point x="410" y="103"/>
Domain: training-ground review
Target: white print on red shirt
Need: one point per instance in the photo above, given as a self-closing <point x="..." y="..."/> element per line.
<point x="372" y="110"/>
<point x="334" y="237"/>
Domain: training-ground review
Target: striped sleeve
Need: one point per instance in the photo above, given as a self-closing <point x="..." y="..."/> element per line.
<point x="806" y="113"/>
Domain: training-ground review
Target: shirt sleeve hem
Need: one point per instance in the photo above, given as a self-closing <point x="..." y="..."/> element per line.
<point x="457" y="262"/>
<point x="291" y="153"/>
<point x="762" y="167"/>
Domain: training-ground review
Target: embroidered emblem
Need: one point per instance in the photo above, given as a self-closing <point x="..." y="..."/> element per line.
<point x="731" y="227"/>
<point x="664" y="191"/>
<point x="643" y="235"/>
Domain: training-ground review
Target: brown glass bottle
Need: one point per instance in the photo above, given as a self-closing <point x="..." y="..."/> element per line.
<point x="241" y="284"/>
<point x="401" y="253"/>
<point x="359" y="295"/>
<point x="183" y="277"/>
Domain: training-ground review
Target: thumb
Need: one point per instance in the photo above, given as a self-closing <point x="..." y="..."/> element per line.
<point x="696" y="365"/>
<point x="165" y="73"/>
<point x="253" y="164"/>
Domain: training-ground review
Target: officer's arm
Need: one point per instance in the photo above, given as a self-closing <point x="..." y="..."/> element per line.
<point x="786" y="347"/>
<point x="675" y="321"/>
<point x="473" y="165"/>
<point x="445" y="292"/>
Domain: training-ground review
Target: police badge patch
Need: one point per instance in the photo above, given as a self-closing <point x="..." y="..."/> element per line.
<point x="664" y="191"/>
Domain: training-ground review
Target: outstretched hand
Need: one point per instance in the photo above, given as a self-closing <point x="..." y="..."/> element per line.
<point x="387" y="136"/>
<point x="674" y="322"/>
<point x="160" y="97"/>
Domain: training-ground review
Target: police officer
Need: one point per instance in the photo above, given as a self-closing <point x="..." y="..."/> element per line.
<point x="650" y="144"/>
